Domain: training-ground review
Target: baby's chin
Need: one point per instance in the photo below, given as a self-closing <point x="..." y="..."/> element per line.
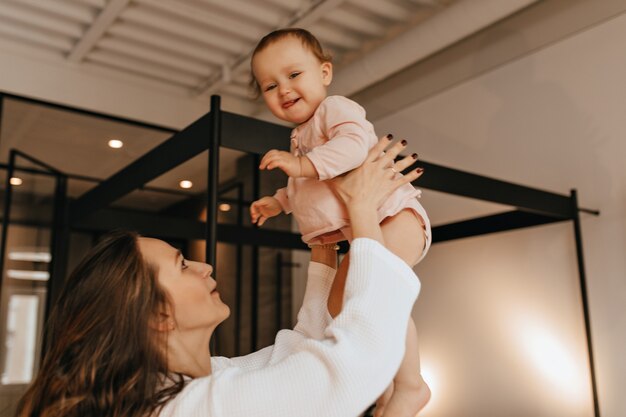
<point x="301" y="119"/>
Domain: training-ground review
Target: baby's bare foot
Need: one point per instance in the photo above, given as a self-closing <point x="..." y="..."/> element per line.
<point x="406" y="400"/>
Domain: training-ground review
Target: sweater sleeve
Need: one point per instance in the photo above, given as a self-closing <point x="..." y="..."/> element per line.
<point x="283" y="200"/>
<point x="338" y="376"/>
<point x="349" y="136"/>
<point x="313" y="318"/>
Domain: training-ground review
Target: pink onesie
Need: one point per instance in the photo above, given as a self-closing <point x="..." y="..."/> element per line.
<point x="336" y="139"/>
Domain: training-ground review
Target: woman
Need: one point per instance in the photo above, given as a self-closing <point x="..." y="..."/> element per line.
<point x="130" y="333"/>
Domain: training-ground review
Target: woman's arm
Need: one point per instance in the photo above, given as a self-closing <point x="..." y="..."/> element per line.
<point x="338" y="376"/>
<point x="362" y="348"/>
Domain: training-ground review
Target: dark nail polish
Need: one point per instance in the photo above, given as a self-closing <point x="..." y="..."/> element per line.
<point x="389" y="136"/>
<point x="404" y="142"/>
<point x="414" y="156"/>
<point x="419" y="170"/>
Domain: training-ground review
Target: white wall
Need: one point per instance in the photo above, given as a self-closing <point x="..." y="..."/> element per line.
<point x="33" y="74"/>
<point x="553" y="120"/>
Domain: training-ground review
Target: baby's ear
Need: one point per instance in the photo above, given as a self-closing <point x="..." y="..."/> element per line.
<point x="327" y="73"/>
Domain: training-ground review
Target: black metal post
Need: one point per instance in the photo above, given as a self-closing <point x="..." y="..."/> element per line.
<point x="212" y="194"/>
<point x="59" y="245"/>
<point x="8" y="190"/>
<point x="256" y="190"/>
<point x="238" y="273"/>
<point x="278" y="299"/>
<point x="585" y="301"/>
<point x="213" y="181"/>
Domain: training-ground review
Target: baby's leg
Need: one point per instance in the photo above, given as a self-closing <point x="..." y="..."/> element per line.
<point x="335" y="298"/>
<point x="404" y="236"/>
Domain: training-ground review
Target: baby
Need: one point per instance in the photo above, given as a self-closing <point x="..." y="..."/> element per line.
<point x="292" y="73"/>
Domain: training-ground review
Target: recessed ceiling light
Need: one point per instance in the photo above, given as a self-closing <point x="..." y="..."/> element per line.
<point x="16" y="181"/>
<point x="185" y="184"/>
<point x="224" y="207"/>
<point x="115" y="144"/>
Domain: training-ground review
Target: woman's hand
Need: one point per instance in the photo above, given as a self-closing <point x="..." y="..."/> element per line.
<point x="365" y="188"/>
<point x="370" y="184"/>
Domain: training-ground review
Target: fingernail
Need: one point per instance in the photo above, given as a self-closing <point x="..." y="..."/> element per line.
<point x="419" y="170"/>
<point x="403" y="142"/>
<point x="414" y="156"/>
<point x="389" y="136"/>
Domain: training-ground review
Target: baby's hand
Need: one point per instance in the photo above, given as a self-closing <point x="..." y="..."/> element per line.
<point x="284" y="160"/>
<point x="263" y="209"/>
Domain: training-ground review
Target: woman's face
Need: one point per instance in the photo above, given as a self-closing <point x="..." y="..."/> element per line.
<point x="195" y="300"/>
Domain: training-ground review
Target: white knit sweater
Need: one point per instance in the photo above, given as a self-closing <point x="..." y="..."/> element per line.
<point x="323" y="367"/>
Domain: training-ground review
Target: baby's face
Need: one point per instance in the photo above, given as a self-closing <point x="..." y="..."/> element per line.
<point x="292" y="80"/>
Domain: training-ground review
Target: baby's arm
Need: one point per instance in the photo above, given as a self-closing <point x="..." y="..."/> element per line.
<point x="350" y="136"/>
<point x="265" y="208"/>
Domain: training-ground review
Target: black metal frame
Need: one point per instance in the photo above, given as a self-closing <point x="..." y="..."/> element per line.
<point x="219" y="128"/>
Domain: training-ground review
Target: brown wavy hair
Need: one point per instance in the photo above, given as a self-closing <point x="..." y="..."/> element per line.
<point x="103" y="357"/>
<point x="308" y="41"/>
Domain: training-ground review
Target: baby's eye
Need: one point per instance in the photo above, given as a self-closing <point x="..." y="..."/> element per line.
<point x="294" y="74"/>
<point x="270" y="87"/>
<point x="184" y="264"/>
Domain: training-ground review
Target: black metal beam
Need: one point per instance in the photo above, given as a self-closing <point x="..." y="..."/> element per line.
<point x="84" y="112"/>
<point x="490" y="224"/>
<point x="179" y="148"/>
<point x="453" y="181"/>
<point x="252" y="135"/>
<point x="151" y="224"/>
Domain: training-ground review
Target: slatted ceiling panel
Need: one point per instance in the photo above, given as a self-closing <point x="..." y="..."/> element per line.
<point x="231" y="26"/>
<point x="287" y="5"/>
<point x="99" y="4"/>
<point x="71" y="11"/>
<point x="39" y="19"/>
<point x="189" y="45"/>
<point x="184" y="28"/>
<point x="239" y="90"/>
<point x="167" y="42"/>
<point x="252" y="11"/>
<point x="356" y="23"/>
<point x="336" y="37"/>
<point x="34" y="35"/>
<point x="143" y="67"/>
<point x="153" y="55"/>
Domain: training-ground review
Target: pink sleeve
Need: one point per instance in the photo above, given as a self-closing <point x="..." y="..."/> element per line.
<point x="283" y="200"/>
<point x="349" y="137"/>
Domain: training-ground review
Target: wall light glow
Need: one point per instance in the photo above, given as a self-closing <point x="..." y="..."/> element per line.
<point x="224" y="207"/>
<point x="16" y="181"/>
<point x="430" y="375"/>
<point x="555" y="363"/>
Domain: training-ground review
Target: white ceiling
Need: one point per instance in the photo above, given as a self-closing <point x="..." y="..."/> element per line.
<point x="201" y="47"/>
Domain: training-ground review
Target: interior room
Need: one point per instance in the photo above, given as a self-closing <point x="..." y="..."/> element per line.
<point x="139" y="115"/>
